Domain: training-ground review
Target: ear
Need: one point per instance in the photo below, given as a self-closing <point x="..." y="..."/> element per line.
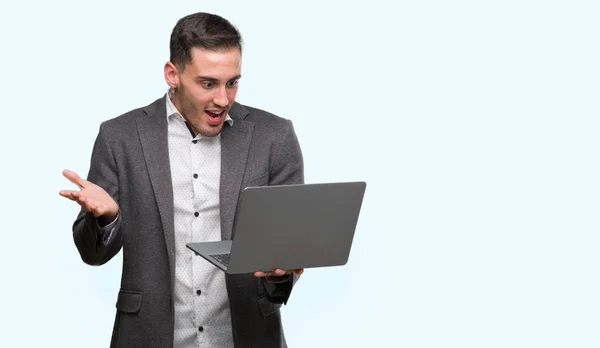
<point x="171" y="75"/>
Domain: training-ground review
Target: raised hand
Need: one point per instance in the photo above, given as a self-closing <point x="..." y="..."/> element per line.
<point x="91" y="197"/>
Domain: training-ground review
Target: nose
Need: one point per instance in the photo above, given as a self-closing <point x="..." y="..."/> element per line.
<point x="221" y="99"/>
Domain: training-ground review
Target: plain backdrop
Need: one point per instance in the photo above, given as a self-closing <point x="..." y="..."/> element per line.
<point x="474" y="123"/>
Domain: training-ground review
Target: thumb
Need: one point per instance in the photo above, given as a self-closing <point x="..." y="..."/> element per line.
<point x="74" y="178"/>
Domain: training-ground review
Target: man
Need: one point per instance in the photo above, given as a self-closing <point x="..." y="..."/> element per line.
<point x="171" y="173"/>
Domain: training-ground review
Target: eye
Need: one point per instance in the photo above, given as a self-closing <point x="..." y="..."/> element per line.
<point x="208" y="84"/>
<point x="232" y="83"/>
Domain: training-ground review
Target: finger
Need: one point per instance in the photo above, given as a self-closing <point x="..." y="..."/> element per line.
<point x="80" y="196"/>
<point x="97" y="209"/>
<point x="74" y="178"/>
<point x="299" y="271"/>
<point x="66" y="194"/>
<point x="93" y="206"/>
<point x="279" y="272"/>
<point x="84" y="203"/>
<point x="260" y="274"/>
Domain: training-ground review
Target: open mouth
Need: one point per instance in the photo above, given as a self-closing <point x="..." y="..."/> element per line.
<point x="215" y="116"/>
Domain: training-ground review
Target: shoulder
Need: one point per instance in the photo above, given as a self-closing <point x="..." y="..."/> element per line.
<point x="129" y="119"/>
<point x="270" y="130"/>
<point x="263" y="119"/>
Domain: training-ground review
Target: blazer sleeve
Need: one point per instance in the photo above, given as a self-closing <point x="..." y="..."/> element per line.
<point x="287" y="168"/>
<point x="94" y="245"/>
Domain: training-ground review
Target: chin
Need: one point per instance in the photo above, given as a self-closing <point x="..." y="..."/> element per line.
<point x="211" y="131"/>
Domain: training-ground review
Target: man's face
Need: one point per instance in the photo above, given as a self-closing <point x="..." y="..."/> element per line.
<point x="206" y="89"/>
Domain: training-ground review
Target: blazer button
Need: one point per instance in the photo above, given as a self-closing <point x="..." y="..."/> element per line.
<point x="200" y="329"/>
<point x="195" y="176"/>
<point x="196" y="214"/>
<point x="198" y="292"/>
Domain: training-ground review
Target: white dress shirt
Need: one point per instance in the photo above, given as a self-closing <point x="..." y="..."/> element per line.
<point x="202" y="315"/>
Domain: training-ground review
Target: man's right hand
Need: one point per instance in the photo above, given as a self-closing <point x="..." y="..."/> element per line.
<point x="92" y="198"/>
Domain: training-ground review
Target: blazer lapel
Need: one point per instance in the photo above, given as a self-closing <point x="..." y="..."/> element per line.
<point x="153" y="133"/>
<point x="235" y="144"/>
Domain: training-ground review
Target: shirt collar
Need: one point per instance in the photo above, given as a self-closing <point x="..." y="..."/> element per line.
<point x="172" y="110"/>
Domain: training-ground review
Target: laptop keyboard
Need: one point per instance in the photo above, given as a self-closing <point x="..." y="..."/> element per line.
<point x="222" y="258"/>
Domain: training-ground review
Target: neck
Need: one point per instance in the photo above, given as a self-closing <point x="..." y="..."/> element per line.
<point x="175" y="101"/>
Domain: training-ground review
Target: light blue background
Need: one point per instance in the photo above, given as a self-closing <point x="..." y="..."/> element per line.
<point x="474" y="123"/>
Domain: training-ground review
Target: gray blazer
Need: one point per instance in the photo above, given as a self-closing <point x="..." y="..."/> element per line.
<point x="130" y="160"/>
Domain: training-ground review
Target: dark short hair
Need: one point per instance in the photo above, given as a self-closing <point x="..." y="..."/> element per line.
<point x="202" y="30"/>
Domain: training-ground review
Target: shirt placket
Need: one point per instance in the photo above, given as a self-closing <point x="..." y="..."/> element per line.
<point x="198" y="198"/>
<point x="183" y="199"/>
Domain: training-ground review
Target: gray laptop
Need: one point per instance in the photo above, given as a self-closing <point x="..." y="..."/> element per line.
<point x="289" y="227"/>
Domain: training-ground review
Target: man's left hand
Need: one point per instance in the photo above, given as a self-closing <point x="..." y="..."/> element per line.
<point x="278" y="273"/>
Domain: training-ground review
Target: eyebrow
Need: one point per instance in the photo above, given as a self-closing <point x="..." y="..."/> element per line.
<point x="212" y="79"/>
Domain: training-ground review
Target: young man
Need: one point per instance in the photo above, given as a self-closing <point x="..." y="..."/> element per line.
<point x="171" y="173"/>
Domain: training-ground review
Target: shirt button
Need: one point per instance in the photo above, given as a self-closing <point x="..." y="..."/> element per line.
<point x="194" y="141"/>
<point x="195" y="176"/>
<point x="200" y="329"/>
<point x="198" y="292"/>
<point x="196" y="214"/>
